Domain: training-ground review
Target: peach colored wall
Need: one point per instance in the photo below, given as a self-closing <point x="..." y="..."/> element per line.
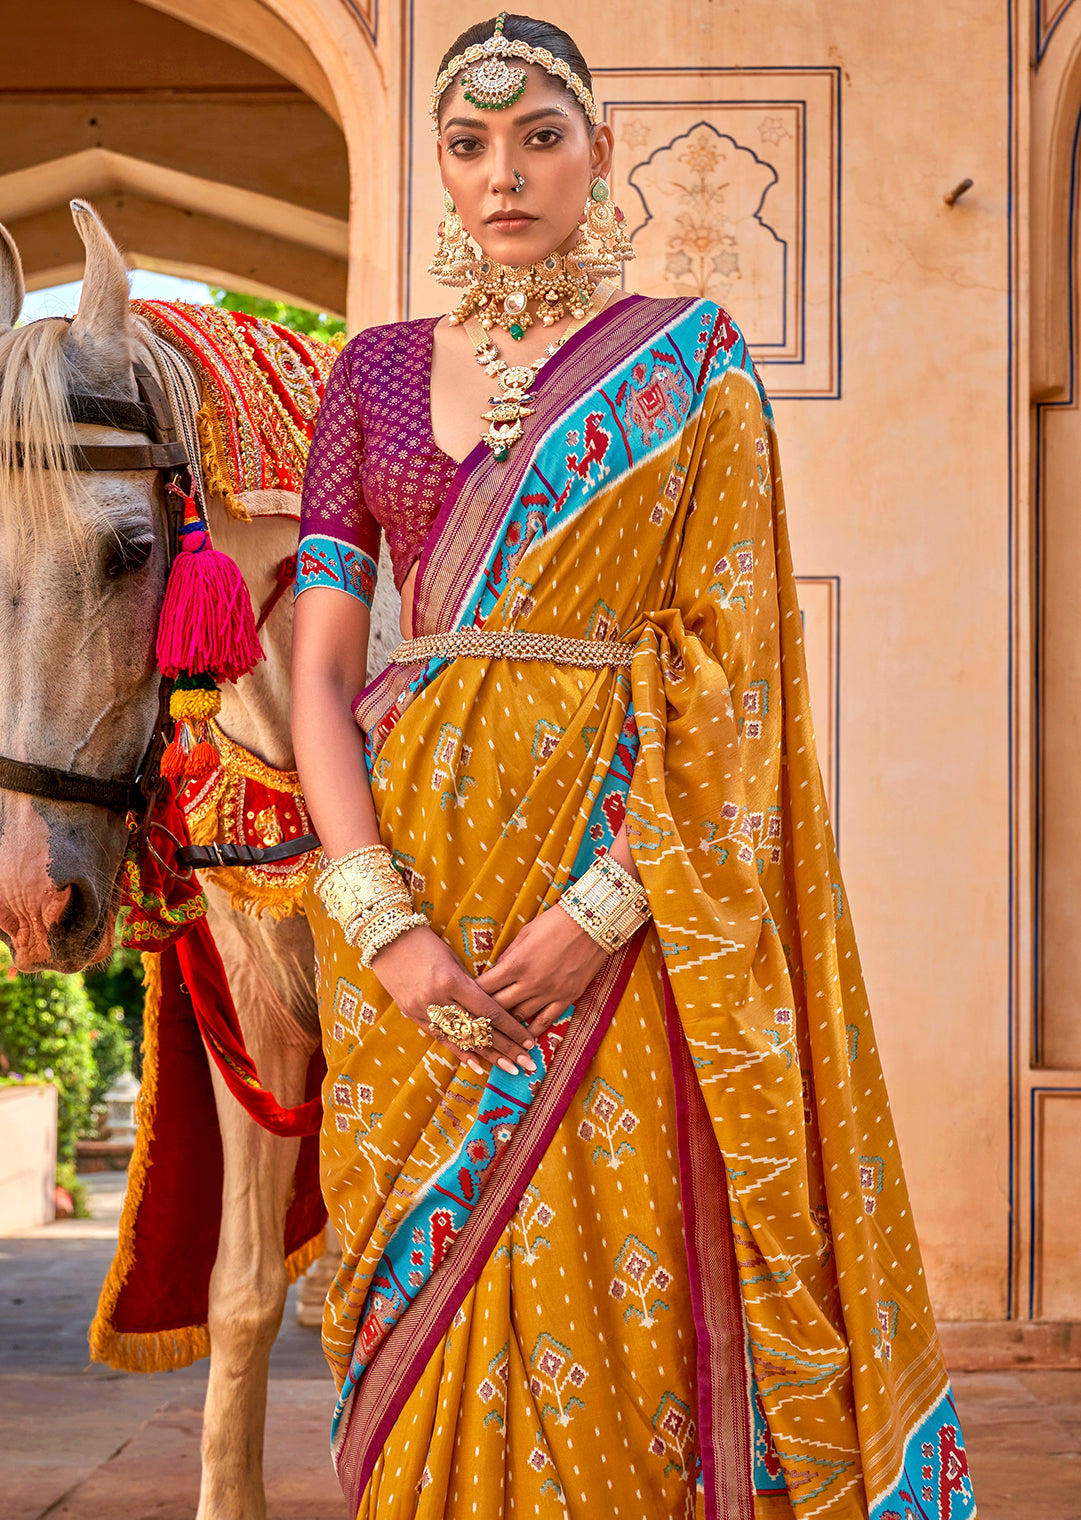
<point x="895" y="429"/>
<point x="817" y="142"/>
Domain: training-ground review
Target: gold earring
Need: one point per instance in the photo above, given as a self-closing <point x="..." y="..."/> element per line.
<point x="455" y="252"/>
<point x="604" y="245"/>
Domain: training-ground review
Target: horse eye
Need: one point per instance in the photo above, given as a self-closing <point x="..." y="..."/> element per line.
<point x="126" y="555"/>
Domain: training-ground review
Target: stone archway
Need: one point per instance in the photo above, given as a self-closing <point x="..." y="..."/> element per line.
<point x="203" y="158"/>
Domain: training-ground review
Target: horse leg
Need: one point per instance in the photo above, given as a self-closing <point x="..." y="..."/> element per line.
<point x="247" y="1289"/>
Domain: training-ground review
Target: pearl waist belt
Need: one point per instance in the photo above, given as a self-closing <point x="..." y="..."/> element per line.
<point x="512" y="644"/>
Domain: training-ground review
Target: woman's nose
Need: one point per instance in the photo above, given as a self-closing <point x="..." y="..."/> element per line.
<point x="503" y="180"/>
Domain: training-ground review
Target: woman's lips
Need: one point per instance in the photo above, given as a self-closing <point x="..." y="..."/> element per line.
<point x="509" y="221"/>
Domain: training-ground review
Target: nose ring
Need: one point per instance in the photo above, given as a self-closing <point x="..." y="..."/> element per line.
<point x="518" y="182"/>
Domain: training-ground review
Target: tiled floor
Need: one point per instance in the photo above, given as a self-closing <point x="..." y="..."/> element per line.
<point x="85" y="1443"/>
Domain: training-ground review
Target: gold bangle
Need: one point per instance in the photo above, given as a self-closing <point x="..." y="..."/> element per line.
<point x="460" y="1027"/>
<point x="351" y="887"/>
<point x="607" y="903"/>
<point x="384" y="930"/>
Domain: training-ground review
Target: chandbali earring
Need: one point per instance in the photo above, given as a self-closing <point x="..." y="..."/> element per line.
<point x="455" y="254"/>
<point x="604" y="245"/>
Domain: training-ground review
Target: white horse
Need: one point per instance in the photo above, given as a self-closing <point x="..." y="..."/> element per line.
<point x="83" y="559"/>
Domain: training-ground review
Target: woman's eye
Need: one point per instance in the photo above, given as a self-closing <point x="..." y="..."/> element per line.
<point x="127" y="555"/>
<point x="463" y="145"/>
<point x="547" y="137"/>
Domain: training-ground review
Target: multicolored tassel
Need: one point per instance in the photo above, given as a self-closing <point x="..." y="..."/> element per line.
<point x="206" y="634"/>
<point x="191" y="753"/>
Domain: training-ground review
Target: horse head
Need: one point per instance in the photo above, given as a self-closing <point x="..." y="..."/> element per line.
<point x="83" y="560"/>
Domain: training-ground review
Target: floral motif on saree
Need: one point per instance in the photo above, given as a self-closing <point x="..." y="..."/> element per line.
<point x="675" y="1273"/>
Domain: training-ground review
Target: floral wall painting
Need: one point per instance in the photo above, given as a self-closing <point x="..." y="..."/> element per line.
<point x="703" y="197"/>
<point x="729" y="179"/>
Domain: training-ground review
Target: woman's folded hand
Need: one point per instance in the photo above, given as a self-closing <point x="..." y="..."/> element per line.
<point x="545" y="969"/>
<point x="419" y="972"/>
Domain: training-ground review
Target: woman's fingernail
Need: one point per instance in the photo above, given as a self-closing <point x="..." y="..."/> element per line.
<point x="474" y="1065"/>
<point x="529" y="1044"/>
<point x="526" y="1064"/>
<point x="508" y="1067"/>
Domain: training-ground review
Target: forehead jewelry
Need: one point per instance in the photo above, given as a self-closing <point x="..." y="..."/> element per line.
<point x="492" y="83"/>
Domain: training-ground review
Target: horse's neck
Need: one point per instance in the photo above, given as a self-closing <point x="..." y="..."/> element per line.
<point x="255" y="711"/>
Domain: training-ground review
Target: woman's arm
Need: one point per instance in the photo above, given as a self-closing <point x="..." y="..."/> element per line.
<point x="330" y="648"/>
<point x="551" y="961"/>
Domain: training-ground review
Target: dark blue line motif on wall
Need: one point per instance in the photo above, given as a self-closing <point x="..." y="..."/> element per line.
<point x="702" y="197"/>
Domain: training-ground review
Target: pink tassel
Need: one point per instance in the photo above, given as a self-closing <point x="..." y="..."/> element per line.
<point x="207" y="622"/>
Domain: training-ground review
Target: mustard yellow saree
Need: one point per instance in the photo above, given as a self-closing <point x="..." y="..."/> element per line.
<point x="675" y="1272"/>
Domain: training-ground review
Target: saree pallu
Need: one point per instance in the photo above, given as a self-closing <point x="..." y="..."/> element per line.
<point x="675" y="1271"/>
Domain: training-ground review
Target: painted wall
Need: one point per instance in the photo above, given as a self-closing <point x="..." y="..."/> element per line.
<point x="792" y="160"/>
<point x="792" y="164"/>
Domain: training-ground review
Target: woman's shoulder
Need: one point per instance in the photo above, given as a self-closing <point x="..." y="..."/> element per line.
<point x="389" y="337"/>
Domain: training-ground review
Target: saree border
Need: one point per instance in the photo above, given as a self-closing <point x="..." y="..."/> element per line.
<point x="724" y="1406"/>
<point x="482" y="492"/>
<point x="397" y="1365"/>
<point x="442" y="580"/>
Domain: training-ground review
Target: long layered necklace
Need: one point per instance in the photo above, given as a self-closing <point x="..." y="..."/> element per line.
<point x="516" y="381"/>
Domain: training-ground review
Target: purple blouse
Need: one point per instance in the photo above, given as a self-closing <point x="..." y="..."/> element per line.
<point x="373" y="465"/>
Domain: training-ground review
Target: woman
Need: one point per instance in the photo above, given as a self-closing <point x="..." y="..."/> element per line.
<point x="606" y="1141"/>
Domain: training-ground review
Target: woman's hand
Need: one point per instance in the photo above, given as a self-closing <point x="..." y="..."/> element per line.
<point x="545" y="969"/>
<point x="418" y="969"/>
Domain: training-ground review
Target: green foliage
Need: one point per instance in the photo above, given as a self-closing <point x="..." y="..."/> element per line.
<point x="117" y="985"/>
<point x="49" y="1027"/>
<point x="315" y="323"/>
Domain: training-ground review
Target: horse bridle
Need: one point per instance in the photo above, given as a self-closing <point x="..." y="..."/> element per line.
<point x="151" y="415"/>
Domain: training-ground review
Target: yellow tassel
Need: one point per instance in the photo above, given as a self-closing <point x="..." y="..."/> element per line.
<point x="196" y="703"/>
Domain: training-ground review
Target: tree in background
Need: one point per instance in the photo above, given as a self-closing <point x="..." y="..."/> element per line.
<point x="315" y="323"/>
<point x="116" y="986"/>
<point x="51" y="1029"/>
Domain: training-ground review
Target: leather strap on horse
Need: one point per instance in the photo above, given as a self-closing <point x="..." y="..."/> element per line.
<point x="90" y="458"/>
<point x="202" y="856"/>
<point x="68" y="786"/>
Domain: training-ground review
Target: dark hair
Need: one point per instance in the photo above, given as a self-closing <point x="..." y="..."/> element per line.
<point x="536" y="34"/>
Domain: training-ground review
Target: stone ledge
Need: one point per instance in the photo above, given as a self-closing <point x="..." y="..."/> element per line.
<point x="103" y="1155"/>
<point x="998" y="1345"/>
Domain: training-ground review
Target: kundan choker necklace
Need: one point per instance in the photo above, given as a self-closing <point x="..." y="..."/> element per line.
<point x="501" y="295"/>
<point x="506" y="413"/>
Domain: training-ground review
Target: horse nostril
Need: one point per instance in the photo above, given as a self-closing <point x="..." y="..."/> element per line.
<point x="80" y="910"/>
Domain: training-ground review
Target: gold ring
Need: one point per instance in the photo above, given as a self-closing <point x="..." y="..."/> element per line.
<point x="465" y="1031"/>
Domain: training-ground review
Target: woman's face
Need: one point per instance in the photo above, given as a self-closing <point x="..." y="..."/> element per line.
<point x="544" y="135"/>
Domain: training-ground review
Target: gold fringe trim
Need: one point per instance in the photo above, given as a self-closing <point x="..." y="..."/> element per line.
<point x="156" y="1350"/>
<point x="249" y="896"/>
<point x="298" y="1262"/>
<point x="106" y="1344"/>
<point x="215" y="469"/>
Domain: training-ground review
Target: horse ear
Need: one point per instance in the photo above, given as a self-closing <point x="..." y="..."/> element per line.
<point x="12" y="289"/>
<point x="103" y="321"/>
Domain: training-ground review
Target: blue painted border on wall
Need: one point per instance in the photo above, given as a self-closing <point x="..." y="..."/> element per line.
<point x="831" y="70"/>
<point x="1043" y="37"/>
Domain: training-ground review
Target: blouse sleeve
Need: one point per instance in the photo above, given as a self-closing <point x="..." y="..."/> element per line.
<point x="339" y="537"/>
